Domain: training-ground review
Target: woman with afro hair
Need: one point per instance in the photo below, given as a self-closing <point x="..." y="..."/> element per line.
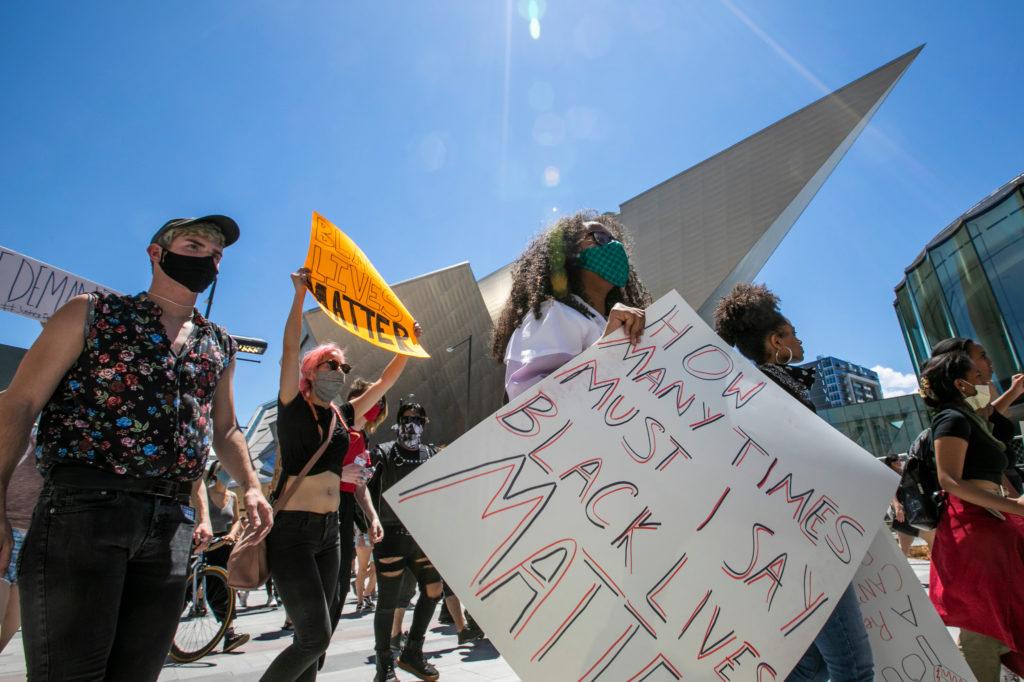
<point x="573" y="285"/>
<point x="749" y="319"/>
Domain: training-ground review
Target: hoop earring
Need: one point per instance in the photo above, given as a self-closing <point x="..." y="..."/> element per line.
<point x="788" y="360"/>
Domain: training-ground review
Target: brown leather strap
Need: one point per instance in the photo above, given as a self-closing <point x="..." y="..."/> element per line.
<point x="283" y="500"/>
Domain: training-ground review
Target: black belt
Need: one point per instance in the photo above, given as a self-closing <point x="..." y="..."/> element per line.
<point x="97" y="479"/>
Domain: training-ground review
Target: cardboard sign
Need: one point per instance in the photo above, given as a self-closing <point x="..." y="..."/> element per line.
<point x="351" y="291"/>
<point x="660" y="511"/>
<point x="908" y="639"/>
<point x="35" y="289"/>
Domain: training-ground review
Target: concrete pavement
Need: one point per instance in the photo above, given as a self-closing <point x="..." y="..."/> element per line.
<point x="349" y="658"/>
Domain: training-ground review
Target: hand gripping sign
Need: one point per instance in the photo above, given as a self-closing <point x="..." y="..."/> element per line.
<point x="659" y="511"/>
<point x="354" y="295"/>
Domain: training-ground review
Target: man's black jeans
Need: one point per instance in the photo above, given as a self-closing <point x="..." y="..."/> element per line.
<point x="102" y="578"/>
<point x="303" y="554"/>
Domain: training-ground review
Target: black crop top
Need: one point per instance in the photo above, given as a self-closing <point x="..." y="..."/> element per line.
<point x="983" y="460"/>
<point x="299" y="439"/>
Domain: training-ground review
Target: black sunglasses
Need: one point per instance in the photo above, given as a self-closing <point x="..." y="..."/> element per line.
<point x="335" y="366"/>
<point x="410" y="419"/>
<point x="600" y="238"/>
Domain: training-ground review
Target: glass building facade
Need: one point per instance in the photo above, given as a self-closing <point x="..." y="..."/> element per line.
<point x="882" y="427"/>
<point x="969" y="281"/>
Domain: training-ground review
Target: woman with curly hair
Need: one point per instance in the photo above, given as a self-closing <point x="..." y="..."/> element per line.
<point x="749" y="319"/>
<point x="573" y="285"/>
<point x="979" y="542"/>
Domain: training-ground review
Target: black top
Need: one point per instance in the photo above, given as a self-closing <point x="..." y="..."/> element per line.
<point x="299" y="438"/>
<point x="983" y="461"/>
<point x="393" y="464"/>
<point x="796" y="381"/>
<point x="130" y="405"/>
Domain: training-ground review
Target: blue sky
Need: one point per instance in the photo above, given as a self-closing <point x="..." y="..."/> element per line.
<point x="425" y="130"/>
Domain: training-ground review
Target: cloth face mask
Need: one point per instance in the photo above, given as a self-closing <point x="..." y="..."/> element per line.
<point x="195" y="273"/>
<point x="609" y="262"/>
<point x="327" y="385"/>
<point x="372" y="413"/>
<point x="410" y="435"/>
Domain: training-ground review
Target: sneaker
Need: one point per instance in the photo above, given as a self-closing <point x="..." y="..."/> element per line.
<point x="398" y="642"/>
<point x="233" y="640"/>
<point x="445" y="616"/>
<point x="412" y="660"/>
<point x="470" y="633"/>
<point x="385" y="667"/>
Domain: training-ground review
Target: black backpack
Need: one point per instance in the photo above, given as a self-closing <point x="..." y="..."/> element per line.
<point x="920" y="494"/>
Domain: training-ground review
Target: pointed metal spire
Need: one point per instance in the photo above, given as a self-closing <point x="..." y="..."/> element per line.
<point x="717" y="223"/>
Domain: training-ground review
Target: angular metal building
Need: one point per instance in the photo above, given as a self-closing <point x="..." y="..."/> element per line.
<point x="699" y="232"/>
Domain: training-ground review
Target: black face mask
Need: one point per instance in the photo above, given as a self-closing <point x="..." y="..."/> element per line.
<point x="193" y="272"/>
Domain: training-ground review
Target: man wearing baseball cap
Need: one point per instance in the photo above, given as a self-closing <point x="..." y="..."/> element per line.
<point x="133" y="392"/>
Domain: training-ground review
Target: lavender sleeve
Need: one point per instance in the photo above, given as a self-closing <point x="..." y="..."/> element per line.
<point x="539" y="347"/>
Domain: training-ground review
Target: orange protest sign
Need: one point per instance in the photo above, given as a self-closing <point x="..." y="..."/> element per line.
<point x="352" y="292"/>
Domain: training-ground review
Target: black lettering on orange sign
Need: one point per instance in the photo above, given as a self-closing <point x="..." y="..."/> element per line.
<point x="401" y="335"/>
<point x="320" y="293"/>
<point x="381" y="332"/>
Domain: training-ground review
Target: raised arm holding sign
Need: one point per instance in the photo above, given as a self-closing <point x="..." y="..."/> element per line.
<point x="353" y="294"/>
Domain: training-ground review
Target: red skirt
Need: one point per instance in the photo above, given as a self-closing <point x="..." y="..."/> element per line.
<point x="977" y="575"/>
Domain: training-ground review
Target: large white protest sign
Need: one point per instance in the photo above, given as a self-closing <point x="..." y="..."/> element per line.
<point x="649" y="512"/>
<point x="909" y="641"/>
<point x="34" y="289"/>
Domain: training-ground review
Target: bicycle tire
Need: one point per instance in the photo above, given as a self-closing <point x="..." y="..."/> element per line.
<point x="198" y="635"/>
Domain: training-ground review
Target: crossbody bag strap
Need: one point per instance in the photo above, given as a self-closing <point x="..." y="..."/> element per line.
<point x="283" y="500"/>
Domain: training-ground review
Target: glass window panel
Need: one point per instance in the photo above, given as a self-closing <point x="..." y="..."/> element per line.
<point x="882" y="427"/>
<point x="911" y="328"/>
<point x="931" y="306"/>
<point x="998" y="235"/>
<point x="971" y="302"/>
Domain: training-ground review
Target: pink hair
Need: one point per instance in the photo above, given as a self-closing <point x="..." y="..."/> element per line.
<point x="312" y="360"/>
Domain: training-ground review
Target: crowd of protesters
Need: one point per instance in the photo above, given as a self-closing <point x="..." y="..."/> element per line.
<point x="131" y="393"/>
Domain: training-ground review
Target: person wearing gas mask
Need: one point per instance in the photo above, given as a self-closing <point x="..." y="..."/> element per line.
<point x="133" y="392"/>
<point x="314" y="428"/>
<point x="398" y="550"/>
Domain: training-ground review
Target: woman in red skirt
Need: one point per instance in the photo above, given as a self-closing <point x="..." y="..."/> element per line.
<point x="978" y="556"/>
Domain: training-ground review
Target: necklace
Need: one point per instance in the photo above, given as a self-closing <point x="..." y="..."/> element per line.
<point x="167" y="300"/>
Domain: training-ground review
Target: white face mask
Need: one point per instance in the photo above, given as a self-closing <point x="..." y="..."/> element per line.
<point x="981" y="399"/>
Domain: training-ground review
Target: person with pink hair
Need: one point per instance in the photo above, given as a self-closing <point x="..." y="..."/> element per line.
<point x="303" y="549"/>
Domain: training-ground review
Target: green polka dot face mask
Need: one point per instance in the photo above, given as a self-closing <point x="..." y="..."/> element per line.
<point x="609" y="261"/>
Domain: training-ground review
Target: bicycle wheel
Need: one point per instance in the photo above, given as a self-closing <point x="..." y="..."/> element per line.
<point x="199" y="631"/>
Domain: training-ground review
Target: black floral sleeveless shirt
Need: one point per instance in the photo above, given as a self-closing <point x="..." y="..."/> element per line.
<point x="129" y="405"/>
